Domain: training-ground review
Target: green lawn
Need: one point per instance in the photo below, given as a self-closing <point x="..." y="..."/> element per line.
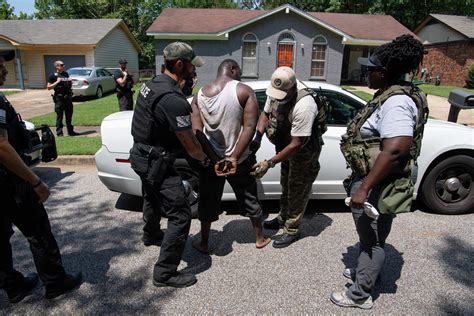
<point x="442" y="91"/>
<point x="9" y="92"/>
<point x="77" y="145"/>
<point x="87" y="113"/>
<point x="363" y="95"/>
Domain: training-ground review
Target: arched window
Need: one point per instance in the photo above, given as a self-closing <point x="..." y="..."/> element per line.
<point x="249" y="55"/>
<point x="286" y="44"/>
<point x="318" y="57"/>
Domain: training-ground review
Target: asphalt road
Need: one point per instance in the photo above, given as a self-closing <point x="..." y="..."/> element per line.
<point x="428" y="269"/>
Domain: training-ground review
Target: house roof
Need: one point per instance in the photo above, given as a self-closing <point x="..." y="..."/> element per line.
<point x="459" y="23"/>
<point x="60" y="32"/>
<point x="219" y="21"/>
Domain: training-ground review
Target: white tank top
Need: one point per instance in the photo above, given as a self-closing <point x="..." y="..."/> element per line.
<point x="222" y="116"/>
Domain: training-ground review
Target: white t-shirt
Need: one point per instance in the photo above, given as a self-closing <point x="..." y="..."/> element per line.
<point x="301" y="116"/>
<point x="396" y="117"/>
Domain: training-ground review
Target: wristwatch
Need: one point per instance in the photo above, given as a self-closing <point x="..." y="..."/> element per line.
<point x="271" y="164"/>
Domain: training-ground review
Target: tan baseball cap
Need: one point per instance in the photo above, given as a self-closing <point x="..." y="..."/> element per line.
<point x="178" y="50"/>
<point x="283" y="79"/>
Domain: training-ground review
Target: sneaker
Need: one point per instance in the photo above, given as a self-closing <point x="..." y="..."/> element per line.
<point x="341" y="299"/>
<point x="70" y="283"/>
<point x="29" y="283"/>
<point x="178" y="280"/>
<point x="349" y="273"/>
<point x="153" y="240"/>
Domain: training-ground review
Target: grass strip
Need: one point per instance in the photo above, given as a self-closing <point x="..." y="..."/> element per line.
<point x="9" y="92"/>
<point x="77" y="145"/>
<point x="441" y="91"/>
<point x="87" y="113"/>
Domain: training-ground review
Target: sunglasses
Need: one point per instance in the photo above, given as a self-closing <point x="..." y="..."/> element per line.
<point x="61" y="65"/>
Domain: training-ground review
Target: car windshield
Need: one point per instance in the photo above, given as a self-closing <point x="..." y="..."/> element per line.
<point x="79" y="72"/>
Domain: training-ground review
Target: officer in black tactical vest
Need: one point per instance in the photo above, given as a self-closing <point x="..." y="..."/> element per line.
<point x="124" y="84"/>
<point x="161" y="130"/>
<point x="381" y="146"/>
<point x="288" y="120"/>
<point x="62" y="97"/>
<point x="22" y="194"/>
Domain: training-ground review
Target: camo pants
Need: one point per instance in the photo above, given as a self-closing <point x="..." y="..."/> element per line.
<point x="297" y="176"/>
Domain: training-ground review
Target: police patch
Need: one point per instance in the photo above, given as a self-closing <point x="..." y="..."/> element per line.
<point x="3" y="117"/>
<point x="183" y="121"/>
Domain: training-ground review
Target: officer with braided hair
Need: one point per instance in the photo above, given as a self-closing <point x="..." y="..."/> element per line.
<point x="381" y="146"/>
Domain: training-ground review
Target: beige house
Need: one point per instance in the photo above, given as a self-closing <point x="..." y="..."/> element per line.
<point x="78" y="43"/>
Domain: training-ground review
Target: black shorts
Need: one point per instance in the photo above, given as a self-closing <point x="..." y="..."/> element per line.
<point x="211" y="188"/>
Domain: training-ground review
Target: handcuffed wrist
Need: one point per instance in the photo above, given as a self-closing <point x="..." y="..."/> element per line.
<point x="258" y="136"/>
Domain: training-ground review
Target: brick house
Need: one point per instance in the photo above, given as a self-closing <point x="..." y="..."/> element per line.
<point x="318" y="46"/>
<point x="449" y="40"/>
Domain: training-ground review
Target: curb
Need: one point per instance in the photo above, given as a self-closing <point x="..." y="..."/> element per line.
<point x="73" y="160"/>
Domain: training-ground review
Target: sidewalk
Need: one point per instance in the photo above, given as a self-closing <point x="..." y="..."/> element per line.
<point x="439" y="108"/>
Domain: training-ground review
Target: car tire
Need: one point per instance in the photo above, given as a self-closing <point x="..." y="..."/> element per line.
<point x="448" y="188"/>
<point x="99" y="93"/>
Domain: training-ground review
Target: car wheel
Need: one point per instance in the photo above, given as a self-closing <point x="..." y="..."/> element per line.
<point x="99" y="94"/>
<point x="191" y="185"/>
<point x="448" y="188"/>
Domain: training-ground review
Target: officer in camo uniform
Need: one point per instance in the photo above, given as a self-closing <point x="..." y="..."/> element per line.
<point x="287" y="120"/>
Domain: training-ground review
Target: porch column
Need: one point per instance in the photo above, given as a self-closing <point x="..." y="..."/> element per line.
<point x="19" y="69"/>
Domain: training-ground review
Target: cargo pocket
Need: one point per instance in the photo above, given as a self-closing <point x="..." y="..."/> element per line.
<point x="396" y="196"/>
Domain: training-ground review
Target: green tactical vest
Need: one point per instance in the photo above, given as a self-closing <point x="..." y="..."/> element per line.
<point x="360" y="153"/>
<point x="278" y="129"/>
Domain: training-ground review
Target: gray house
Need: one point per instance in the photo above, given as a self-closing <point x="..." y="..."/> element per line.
<point x="318" y="46"/>
<point x="79" y="43"/>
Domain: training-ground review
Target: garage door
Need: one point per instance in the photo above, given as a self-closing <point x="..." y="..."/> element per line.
<point x="68" y="60"/>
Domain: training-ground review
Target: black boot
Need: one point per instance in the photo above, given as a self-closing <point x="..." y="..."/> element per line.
<point x="59" y="132"/>
<point x="177" y="280"/>
<point x="285" y="240"/>
<point x="273" y="224"/>
<point x="29" y="283"/>
<point x="71" y="132"/>
<point x="70" y="283"/>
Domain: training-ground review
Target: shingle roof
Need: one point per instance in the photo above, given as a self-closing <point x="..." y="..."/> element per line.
<point x="462" y="24"/>
<point x="364" y="26"/>
<point x="211" y="21"/>
<point x="61" y="32"/>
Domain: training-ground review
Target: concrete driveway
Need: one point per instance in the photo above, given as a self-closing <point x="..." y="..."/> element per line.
<point x="32" y="102"/>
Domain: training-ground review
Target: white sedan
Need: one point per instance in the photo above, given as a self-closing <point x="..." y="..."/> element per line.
<point x="445" y="173"/>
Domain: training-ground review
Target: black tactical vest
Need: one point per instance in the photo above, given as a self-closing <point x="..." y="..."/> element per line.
<point x="65" y="86"/>
<point x="144" y="123"/>
<point x="18" y="135"/>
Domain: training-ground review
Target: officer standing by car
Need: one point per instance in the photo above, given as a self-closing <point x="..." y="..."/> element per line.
<point x="381" y="146"/>
<point x="124" y="84"/>
<point x="161" y="129"/>
<point x="288" y="120"/>
<point x="22" y="194"/>
<point x="62" y="97"/>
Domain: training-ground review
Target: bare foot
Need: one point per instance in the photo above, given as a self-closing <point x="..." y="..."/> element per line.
<point x="200" y="247"/>
<point x="263" y="242"/>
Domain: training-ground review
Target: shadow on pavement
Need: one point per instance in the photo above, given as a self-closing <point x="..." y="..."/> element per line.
<point x="387" y="281"/>
<point x="90" y="241"/>
<point x="456" y="256"/>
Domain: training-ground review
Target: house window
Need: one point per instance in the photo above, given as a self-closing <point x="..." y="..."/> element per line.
<point x="249" y="55"/>
<point x="318" y="57"/>
<point x="286" y="44"/>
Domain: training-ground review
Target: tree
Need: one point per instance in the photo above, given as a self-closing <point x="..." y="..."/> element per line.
<point x="6" y="11"/>
<point x="470" y="77"/>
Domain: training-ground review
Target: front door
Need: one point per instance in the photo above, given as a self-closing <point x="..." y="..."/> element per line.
<point x="285" y="55"/>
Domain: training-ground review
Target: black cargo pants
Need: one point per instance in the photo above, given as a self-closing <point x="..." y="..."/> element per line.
<point x="168" y="197"/>
<point x="63" y="106"/>
<point x="31" y="219"/>
<point x="125" y="100"/>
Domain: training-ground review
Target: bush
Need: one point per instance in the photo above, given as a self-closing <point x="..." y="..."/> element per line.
<point x="470" y="77"/>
